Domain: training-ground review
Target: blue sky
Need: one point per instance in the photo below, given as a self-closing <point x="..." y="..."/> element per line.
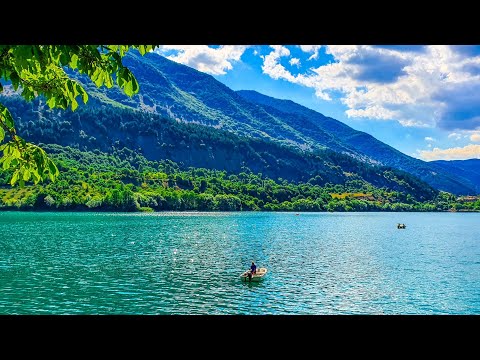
<point x="423" y="100"/>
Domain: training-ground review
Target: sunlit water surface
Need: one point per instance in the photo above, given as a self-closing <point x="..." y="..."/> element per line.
<point x="189" y="263"/>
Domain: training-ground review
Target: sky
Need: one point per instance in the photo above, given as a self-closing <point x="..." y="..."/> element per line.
<point x="423" y="100"/>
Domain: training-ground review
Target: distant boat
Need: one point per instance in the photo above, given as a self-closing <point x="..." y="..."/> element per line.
<point x="247" y="275"/>
<point x="401" y="226"/>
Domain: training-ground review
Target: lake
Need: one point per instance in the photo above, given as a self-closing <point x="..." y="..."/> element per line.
<point x="190" y="263"/>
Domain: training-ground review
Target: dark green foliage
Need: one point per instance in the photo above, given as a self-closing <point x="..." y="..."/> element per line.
<point x="157" y="138"/>
<point x="279" y="139"/>
<point x="39" y="70"/>
<point x="127" y="181"/>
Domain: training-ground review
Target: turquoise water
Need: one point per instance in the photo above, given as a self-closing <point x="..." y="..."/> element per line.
<point x="189" y="263"/>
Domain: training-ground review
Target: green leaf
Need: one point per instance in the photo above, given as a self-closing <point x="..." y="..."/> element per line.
<point x="128" y="88"/>
<point x="51" y="176"/>
<point x="121" y="76"/>
<point x="134" y="85"/>
<point x="51" y="102"/>
<point x="69" y="89"/>
<point x="99" y="80"/>
<point x="84" y="96"/>
<point x="16" y="153"/>
<point x="52" y="168"/>
<point x="15" y="80"/>
<point x="6" y="162"/>
<point x="6" y="117"/>
<point x="62" y="103"/>
<point x="2" y="134"/>
<point x="7" y="149"/>
<point x="73" y="61"/>
<point x="22" y="55"/>
<point x="64" y="59"/>
<point x="74" y="104"/>
<point x="117" y="59"/>
<point x="14" y="178"/>
<point x="26" y="175"/>
<point x="108" y="81"/>
<point x="21" y="140"/>
<point x="35" y="176"/>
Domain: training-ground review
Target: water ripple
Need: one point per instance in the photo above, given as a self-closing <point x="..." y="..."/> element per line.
<point x="190" y="262"/>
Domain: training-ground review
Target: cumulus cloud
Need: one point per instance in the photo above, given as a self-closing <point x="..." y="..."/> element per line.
<point x="295" y="62"/>
<point x="416" y="85"/>
<point x="212" y="60"/>
<point x="459" y="105"/>
<point x="272" y="67"/>
<point x="376" y="67"/>
<point x="457" y="153"/>
<point x="312" y="49"/>
<point x="429" y="138"/>
<point x="475" y="137"/>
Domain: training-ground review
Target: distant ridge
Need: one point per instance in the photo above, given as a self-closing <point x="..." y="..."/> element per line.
<point x="179" y="92"/>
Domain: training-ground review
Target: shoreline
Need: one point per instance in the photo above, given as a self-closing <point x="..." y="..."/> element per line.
<point x="3" y="209"/>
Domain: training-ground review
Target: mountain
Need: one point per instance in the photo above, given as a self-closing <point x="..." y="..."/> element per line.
<point x="178" y="91"/>
<point x="466" y="169"/>
<point x="437" y="176"/>
<point x="111" y="128"/>
<point x="470" y="165"/>
<point x="172" y="90"/>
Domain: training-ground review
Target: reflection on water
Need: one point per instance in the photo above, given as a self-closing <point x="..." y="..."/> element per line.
<point x="190" y="263"/>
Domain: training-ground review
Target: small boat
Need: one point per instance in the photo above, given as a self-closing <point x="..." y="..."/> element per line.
<point x="401" y="226"/>
<point x="247" y="275"/>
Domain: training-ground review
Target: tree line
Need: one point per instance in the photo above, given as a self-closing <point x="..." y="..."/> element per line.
<point x="126" y="181"/>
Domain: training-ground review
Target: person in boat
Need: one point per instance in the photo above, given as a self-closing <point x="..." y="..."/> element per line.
<point x="253" y="268"/>
<point x="252" y="271"/>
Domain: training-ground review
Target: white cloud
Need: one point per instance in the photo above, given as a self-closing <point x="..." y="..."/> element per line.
<point x="424" y="86"/>
<point x="295" y="62"/>
<point x="465" y="134"/>
<point x="272" y="67"/>
<point x="311" y="49"/>
<point x="215" y="61"/>
<point x="417" y="86"/>
<point x="376" y="112"/>
<point x="429" y="138"/>
<point x="475" y="137"/>
<point x="455" y="136"/>
<point x="457" y="153"/>
<point x="413" y="123"/>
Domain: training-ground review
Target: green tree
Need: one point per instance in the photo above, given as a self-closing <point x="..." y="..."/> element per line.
<point x="39" y="70"/>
